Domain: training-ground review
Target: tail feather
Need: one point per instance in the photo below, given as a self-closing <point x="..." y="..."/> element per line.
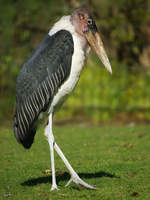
<point x="24" y="137"/>
<point x="27" y="141"/>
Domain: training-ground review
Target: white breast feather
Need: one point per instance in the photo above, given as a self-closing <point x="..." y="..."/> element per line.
<point x="76" y="66"/>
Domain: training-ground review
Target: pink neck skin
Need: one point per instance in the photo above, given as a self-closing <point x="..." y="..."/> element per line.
<point x="83" y="40"/>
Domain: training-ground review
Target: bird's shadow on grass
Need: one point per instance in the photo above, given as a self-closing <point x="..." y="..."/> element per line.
<point x="66" y="176"/>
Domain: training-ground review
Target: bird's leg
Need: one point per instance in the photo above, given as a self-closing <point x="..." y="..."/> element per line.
<point x="51" y="141"/>
<point x="74" y="176"/>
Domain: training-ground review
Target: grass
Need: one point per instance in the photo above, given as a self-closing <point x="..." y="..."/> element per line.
<point x="115" y="159"/>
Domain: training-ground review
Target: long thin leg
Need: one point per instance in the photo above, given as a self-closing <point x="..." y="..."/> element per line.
<point x="74" y="176"/>
<point x="50" y="137"/>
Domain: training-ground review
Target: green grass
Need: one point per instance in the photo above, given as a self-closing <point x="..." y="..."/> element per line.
<point x="115" y="159"/>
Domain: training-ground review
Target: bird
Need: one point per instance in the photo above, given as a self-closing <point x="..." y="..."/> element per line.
<point x="48" y="77"/>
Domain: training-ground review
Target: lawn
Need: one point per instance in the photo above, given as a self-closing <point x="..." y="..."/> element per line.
<point x="115" y="159"/>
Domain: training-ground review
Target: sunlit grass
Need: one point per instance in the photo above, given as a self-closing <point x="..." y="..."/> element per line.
<point x="115" y="159"/>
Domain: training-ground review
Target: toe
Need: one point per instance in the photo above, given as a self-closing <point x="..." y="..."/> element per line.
<point x="54" y="187"/>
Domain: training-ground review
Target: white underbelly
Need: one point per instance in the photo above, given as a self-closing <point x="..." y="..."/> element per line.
<point x="64" y="91"/>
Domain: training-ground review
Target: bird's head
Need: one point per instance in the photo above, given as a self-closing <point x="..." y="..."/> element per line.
<point x="85" y="26"/>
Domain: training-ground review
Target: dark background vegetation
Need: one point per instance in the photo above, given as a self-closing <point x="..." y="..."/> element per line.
<point x="123" y="97"/>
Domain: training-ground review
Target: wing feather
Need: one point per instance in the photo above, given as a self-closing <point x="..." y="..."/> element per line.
<point x="41" y="76"/>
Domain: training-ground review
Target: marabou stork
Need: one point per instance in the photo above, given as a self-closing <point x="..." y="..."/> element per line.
<point x="50" y="75"/>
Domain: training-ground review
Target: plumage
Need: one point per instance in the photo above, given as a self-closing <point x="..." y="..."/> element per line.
<point x="39" y="80"/>
<point x="50" y="75"/>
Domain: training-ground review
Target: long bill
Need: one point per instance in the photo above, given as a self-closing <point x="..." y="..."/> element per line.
<point x="96" y="43"/>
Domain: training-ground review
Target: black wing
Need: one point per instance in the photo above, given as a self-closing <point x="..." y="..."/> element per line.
<point x="41" y="76"/>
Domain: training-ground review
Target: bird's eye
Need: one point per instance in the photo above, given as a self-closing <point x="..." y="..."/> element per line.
<point x="90" y="21"/>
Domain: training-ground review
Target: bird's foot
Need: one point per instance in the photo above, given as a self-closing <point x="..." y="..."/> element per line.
<point x="80" y="182"/>
<point x="54" y="187"/>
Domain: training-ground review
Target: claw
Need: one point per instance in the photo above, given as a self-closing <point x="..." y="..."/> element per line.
<point x="80" y="182"/>
<point x="54" y="187"/>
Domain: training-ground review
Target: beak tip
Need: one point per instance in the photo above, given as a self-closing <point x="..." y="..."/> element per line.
<point x="108" y="67"/>
<point x="110" y="71"/>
